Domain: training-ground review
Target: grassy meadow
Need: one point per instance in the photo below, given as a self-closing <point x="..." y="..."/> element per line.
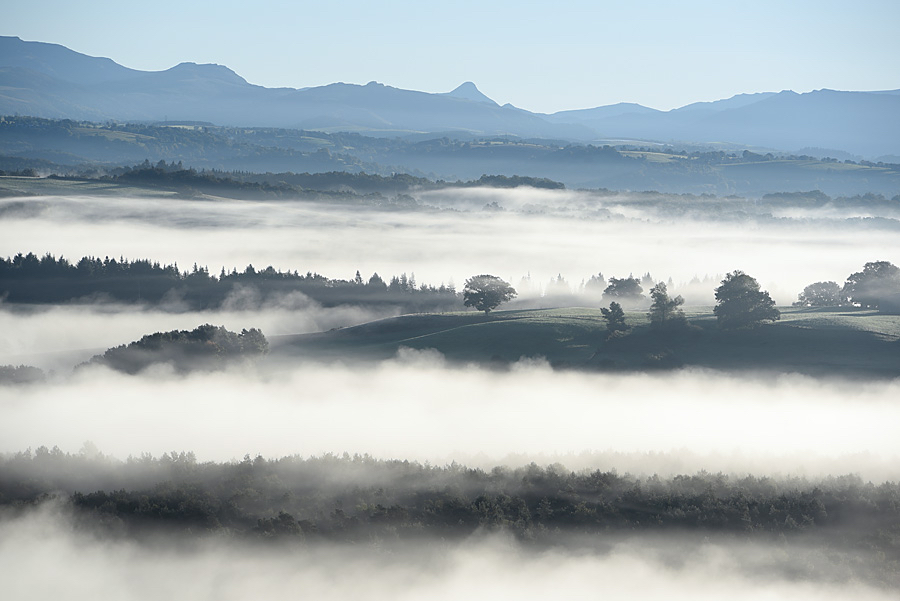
<point x="815" y="342"/>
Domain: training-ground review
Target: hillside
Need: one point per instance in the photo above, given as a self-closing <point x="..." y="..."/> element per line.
<point x="816" y="342"/>
<point x="90" y="149"/>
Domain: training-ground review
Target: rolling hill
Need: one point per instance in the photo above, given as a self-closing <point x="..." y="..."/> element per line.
<point x="809" y="341"/>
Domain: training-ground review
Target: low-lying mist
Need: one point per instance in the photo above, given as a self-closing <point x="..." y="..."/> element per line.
<point x="415" y="407"/>
<point x="57" y="337"/>
<point x="541" y="233"/>
<point x="490" y="566"/>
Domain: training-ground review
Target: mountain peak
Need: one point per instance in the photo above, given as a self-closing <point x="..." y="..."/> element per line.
<point x="469" y="91"/>
<point x="220" y="72"/>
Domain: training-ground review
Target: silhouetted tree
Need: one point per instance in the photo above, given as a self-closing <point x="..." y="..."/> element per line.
<point x="615" y="319"/>
<point x="665" y="312"/>
<point x="740" y="302"/>
<point x="486" y="292"/>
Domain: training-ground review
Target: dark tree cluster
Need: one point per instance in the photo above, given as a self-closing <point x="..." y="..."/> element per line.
<point x="205" y="347"/>
<point x="176" y="177"/>
<point x="515" y="181"/>
<point x="739" y="304"/>
<point x="32" y="279"/>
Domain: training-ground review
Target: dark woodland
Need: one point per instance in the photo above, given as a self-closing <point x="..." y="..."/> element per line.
<point x="360" y="499"/>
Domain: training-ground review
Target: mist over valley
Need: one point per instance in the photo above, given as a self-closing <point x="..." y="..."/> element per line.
<point x="362" y="341"/>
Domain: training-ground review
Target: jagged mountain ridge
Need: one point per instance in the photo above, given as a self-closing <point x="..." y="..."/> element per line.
<point x="48" y="80"/>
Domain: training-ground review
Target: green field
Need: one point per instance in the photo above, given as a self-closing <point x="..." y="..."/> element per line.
<point x="808" y="341"/>
<point x="15" y="186"/>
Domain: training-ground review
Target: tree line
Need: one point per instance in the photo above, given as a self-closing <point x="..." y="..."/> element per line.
<point x="739" y="301"/>
<point x="48" y="279"/>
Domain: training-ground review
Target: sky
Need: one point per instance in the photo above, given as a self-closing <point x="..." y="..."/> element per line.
<point x="543" y="57"/>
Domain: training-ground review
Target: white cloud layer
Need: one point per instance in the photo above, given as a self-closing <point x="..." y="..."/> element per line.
<point x="568" y="233"/>
<point x="414" y="407"/>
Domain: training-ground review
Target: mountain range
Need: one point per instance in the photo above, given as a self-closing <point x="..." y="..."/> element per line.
<point x="49" y="80"/>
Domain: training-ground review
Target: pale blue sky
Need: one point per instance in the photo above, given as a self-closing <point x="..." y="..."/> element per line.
<point x="539" y="56"/>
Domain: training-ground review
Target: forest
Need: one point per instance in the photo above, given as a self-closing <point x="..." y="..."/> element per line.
<point x="48" y="279"/>
<point x="360" y="499"/>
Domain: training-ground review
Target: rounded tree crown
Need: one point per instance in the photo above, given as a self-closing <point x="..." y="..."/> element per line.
<point x="485" y="292"/>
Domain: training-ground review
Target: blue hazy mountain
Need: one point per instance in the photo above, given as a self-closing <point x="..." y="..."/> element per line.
<point x="862" y="123"/>
<point x="734" y="102"/>
<point x="469" y="91"/>
<point x="48" y="80"/>
<point x="600" y="113"/>
<point x="58" y="62"/>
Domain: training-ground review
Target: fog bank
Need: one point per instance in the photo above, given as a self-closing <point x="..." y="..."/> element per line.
<point x="543" y="234"/>
<point x="416" y="408"/>
<point x="57" y="337"/>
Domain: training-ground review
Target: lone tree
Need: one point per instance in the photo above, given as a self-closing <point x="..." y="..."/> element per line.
<point x="615" y="319"/>
<point x="665" y="312"/>
<point x="486" y="292"/>
<point x="740" y="303"/>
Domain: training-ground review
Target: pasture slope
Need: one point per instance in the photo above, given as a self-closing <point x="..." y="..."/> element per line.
<point x="819" y="342"/>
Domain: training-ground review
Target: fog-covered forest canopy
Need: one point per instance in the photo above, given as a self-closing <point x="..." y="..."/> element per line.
<point x="360" y="498"/>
